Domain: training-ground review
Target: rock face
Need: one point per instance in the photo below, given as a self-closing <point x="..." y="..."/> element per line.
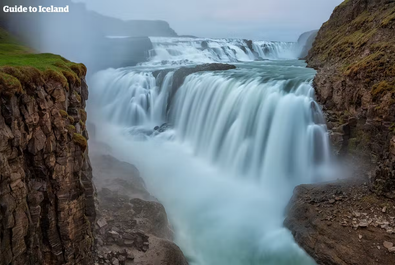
<point x="132" y="226"/>
<point x="46" y="190"/>
<point x="354" y="53"/>
<point x="343" y="224"/>
<point x="351" y="221"/>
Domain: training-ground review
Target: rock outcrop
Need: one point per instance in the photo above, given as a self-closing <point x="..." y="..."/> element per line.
<point x="343" y="224"/>
<point x="46" y="190"/>
<point x="182" y="73"/>
<point x="354" y="53"/>
<point x="132" y="226"/>
<point x="352" y="221"/>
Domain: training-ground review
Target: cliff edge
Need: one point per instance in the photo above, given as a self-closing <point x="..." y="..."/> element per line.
<point x="46" y="190"/>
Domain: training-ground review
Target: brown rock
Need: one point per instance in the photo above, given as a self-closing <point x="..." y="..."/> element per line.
<point x="339" y="242"/>
<point x="46" y="192"/>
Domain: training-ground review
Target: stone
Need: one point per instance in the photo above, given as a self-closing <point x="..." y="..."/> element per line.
<point x="388" y="245"/>
<point x="101" y="222"/>
<point x="128" y="243"/>
<point x="115" y="261"/>
<point x="129" y="254"/>
<point x="363" y="223"/>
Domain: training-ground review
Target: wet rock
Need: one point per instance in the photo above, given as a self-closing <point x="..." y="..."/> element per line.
<point x="136" y="226"/>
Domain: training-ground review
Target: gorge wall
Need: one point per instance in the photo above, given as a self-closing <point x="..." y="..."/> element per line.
<point x="354" y="54"/>
<point x="351" y="221"/>
<point x="46" y="190"/>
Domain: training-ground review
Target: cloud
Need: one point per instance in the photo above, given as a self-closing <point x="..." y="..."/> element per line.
<point x="254" y="19"/>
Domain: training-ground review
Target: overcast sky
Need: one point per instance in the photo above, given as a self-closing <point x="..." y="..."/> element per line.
<point x="253" y="19"/>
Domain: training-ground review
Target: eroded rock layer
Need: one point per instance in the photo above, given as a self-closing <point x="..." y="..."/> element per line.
<point x="354" y="54"/>
<point x="46" y="191"/>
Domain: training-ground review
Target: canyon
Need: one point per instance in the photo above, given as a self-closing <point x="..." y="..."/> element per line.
<point x="186" y="132"/>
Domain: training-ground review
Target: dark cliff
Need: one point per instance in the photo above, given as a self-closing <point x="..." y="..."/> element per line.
<point x="46" y="191"/>
<point x="354" y="54"/>
<point x="351" y="221"/>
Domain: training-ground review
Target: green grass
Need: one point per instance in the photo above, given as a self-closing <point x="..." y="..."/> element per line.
<point x="21" y="68"/>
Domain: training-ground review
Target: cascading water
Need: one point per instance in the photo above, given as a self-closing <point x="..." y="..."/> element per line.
<point x="198" y="50"/>
<point x="234" y="146"/>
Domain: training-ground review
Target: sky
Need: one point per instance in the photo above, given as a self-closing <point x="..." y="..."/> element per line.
<point x="282" y="20"/>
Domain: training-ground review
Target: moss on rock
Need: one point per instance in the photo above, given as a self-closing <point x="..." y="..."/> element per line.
<point x="80" y="141"/>
<point x="34" y="69"/>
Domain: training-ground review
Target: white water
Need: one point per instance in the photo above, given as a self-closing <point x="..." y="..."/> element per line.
<point x="201" y="50"/>
<point x="239" y="142"/>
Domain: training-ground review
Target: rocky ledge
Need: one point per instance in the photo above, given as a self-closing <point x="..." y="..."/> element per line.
<point x="343" y="223"/>
<point x="180" y="74"/>
<point x="132" y="226"/>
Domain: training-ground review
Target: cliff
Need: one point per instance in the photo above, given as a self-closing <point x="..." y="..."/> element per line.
<point x="46" y="198"/>
<point x="351" y="221"/>
<point x="354" y="54"/>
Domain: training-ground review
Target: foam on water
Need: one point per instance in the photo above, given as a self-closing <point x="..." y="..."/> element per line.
<point x="235" y="145"/>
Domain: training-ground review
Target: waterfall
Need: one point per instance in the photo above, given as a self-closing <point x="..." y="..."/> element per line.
<point x="223" y="150"/>
<point x="261" y="127"/>
<point x="177" y="51"/>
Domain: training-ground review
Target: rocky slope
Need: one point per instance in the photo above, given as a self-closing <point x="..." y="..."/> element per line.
<point x="46" y="190"/>
<point x="343" y="223"/>
<point x="351" y="222"/>
<point x="132" y="226"/>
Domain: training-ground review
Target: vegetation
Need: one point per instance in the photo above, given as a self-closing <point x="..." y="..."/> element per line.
<point x="382" y="87"/>
<point x="71" y="128"/>
<point x="80" y="141"/>
<point x="63" y="113"/>
<point x="71" y="119"/>
<point x="21" y="68"/>
<point x="361" y="46"/>
<point x="84" y="115"/>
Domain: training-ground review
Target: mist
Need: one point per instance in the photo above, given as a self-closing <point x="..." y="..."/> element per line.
<point x="282" y="20"/>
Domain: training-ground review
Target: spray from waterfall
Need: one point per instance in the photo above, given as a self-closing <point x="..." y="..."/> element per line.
<point x="224" y="150"/>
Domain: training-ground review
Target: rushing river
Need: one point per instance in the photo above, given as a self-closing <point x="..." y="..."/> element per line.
<point x="224" y="151"/>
